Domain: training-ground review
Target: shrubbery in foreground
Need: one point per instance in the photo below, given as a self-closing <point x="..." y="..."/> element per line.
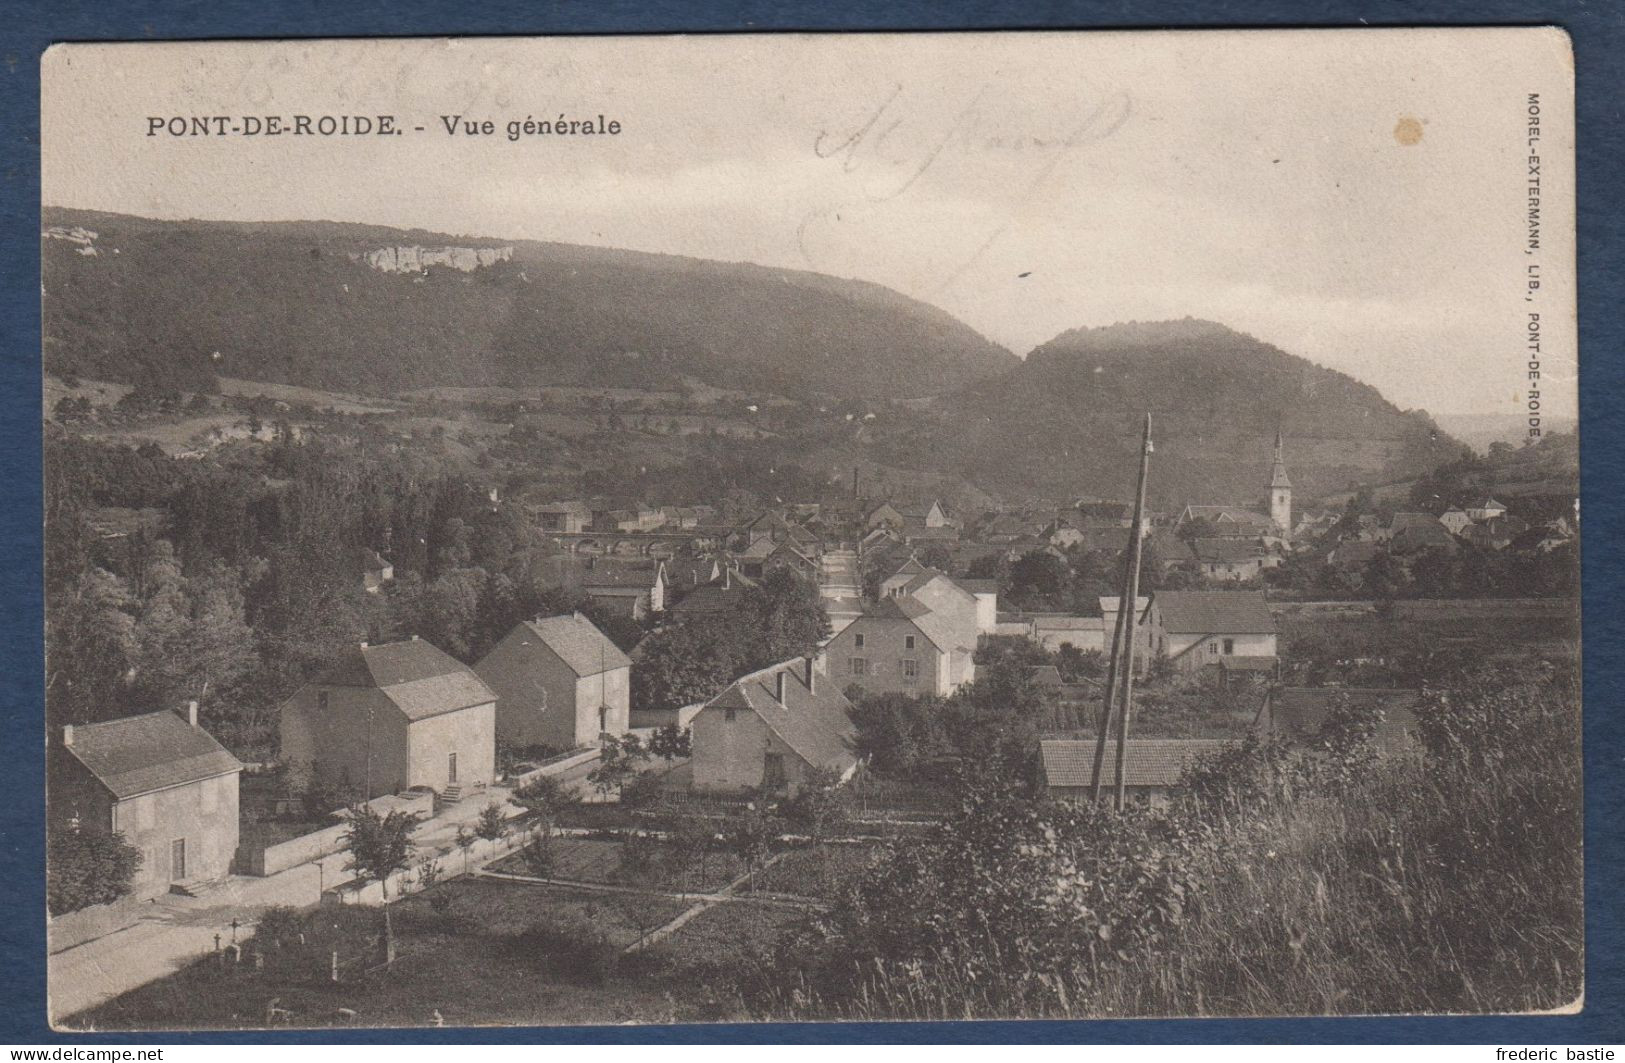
<point x="1331" y="883"/>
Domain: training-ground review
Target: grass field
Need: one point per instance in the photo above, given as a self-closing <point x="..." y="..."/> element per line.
<point x="595" y="860"/>
<point x="478" y="962"/>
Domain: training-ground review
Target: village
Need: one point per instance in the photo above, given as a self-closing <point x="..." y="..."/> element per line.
<point x="583" y="766"/>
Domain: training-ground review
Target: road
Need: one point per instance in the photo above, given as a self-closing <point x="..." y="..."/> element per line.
<point x="175" y="930"/>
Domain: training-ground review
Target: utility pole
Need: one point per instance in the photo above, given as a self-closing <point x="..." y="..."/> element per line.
<point x="1120" y="671"/>
<point x="1105" y="721"/>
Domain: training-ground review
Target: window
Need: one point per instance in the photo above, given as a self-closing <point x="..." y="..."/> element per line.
<point x="773" y="770"/>
<point x="911" y="669"/>
<point x="859" y="665"/>
<point x="1213" y="649"/>
<point x="908" y="642"/>
<point x="857" y="641"/>
<point x="1229" y="646"/>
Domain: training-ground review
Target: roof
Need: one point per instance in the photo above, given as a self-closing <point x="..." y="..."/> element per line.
<point x="812" y="722"/>
<point x="1485" y="503"/>
<point x="932" y="624"/>
<point x="1147" y="762"/>
<point x="420" y="679"/>
<point x="373" y="561"/>
<point x="1228" y="515"/>
<point x="1044" y="622"/>
<point x="578" y="643"/>
<point x="1400" y="521"/>
<point x="1047" y="675"/>
<point x="1228" y="549"/>
<point x="139" y="754"/>
<point x="609" y="575"/>
<point x="979" y="586"/>
<point x="1355" y="552"/>
<point x="1215" y="612"/>
<point x="1301" y="712"/>
<point x="723" y="595"/>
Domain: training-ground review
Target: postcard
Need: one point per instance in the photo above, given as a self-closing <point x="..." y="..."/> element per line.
<point x="781" y="527"/>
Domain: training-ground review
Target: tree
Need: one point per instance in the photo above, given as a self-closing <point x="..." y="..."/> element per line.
<point x="544" y="797"/>
<point x="464" y="841"/>
<point x="689" y="841"/>
<point x="818" y="807"/>
<point x="618" y="760"/>
<point x="750" y="836"/>
<point x="379" y="846"/>
<point x="671" y="742"/>
<point x="492" y="822"/>
<point x="686" y="663"/>
<point x="85" y="867"/>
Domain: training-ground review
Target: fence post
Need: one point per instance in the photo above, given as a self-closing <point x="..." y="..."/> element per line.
<point x="334" y="969"/>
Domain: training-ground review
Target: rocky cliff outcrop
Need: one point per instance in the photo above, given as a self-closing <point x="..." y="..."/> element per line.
<point x="420" y="259"/>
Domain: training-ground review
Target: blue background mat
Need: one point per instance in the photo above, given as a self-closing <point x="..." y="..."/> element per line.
<point x="1598" y="30"/>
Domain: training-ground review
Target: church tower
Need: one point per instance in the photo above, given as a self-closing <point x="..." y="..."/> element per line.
<point x="1280" y="491"/>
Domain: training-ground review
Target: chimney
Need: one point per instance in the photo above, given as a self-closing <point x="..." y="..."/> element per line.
<point x="778" y="685"/>
<point x="191" y="713"/>
<point x="67" y="735"/>
<point x="808" y="662"/>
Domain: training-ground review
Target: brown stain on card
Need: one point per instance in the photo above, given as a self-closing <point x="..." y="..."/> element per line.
<point x="1408" y="131"/>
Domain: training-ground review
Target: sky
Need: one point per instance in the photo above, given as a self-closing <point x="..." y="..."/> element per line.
<point x="1354" y="197"/>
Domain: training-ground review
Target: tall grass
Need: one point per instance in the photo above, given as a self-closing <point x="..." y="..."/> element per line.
<point x="1446" y="880"/>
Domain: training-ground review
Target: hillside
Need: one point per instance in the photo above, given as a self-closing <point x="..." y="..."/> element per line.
<point x="356" y="307"/>
<point x="1066" y="421"/>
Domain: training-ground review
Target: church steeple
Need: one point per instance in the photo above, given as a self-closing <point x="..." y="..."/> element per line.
<point x="1280" y="490"/>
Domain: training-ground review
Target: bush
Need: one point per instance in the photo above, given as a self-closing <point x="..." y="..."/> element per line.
<point x="569" y="949"/>
<point x="279" y="924"/>
<point x="86" y="867"/>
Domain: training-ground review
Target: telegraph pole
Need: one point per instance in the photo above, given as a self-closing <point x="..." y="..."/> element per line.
<point x="1120" y="670"/>
<point x="1130" y="603"/>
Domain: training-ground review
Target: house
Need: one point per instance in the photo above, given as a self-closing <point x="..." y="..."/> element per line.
<point x="1485" y="508"/>
<point x="1232" y="560"/>
<point x="1352" y="556"/>
<point x="1106" y="513"/>
<point x="558" y="682"/>
<point x="384" y="718"/>
<point x="1063" y="533"/>
<point x="1153" y="768"/>
<point x="1198" y="627"/>
<point x="986" y="593"/>
<point x="1054" y="630"/>
<point x="1299" y="714"/>
<point x="568" y="518"/>
<point x="1410" y="533"/>
<point x="161" y="781"/>
<point x="723" y="596"/>
<point x="770" y="729"/>
<point x="901" y="646"/>
<point x="375" y="571"/>
<point x="1229" y="521"/>
<point x="1455" y="521"/>
<point x="1147" y="629"/>
<point x="633" y="590"/>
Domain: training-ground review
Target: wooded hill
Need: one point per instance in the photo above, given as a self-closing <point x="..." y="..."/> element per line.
<point x="298" y="303"/>
<point x="1067" y="420"/>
